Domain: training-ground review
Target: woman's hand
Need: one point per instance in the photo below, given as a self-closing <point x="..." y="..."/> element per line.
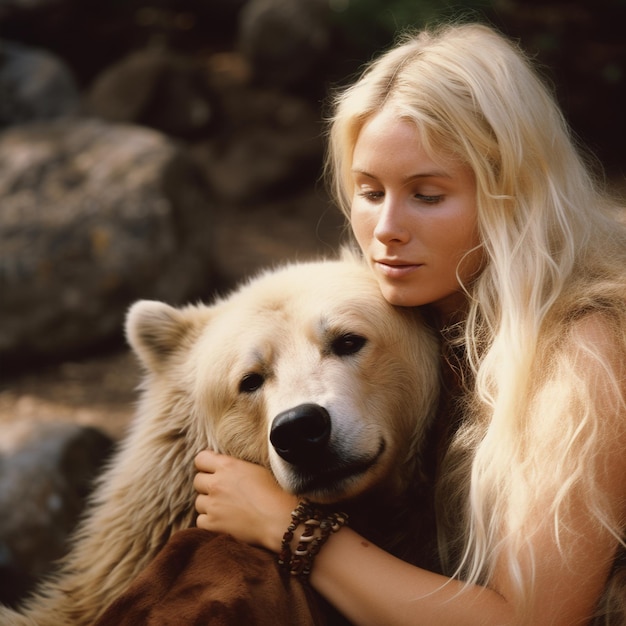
<point x="241" y="499"/>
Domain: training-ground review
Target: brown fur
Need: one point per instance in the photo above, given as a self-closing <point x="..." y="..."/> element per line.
<point x="283" y="326"/>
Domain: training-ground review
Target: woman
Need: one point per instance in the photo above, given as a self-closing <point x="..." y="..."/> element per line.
<point x="467" y="196"/>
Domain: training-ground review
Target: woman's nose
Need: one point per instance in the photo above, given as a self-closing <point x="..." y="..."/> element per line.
<point x="391" y="224"/>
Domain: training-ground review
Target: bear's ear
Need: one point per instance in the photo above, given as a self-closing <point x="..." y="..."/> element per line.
<point x="155" y="331"/>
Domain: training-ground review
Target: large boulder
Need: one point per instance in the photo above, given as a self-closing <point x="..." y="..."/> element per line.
<point x="157" y="88"/>
<point x="268" y="144"/>
<point x="35" y="85"/>
<point x="46" y="473"/>
<point x="287" y="42"/>
<point x="94" y="216"/>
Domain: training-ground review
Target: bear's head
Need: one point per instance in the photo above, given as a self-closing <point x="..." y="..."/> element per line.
<point x="305" y="369"/>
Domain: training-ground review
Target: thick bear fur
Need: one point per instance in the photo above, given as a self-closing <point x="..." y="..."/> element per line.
<point x="295" y="343"/>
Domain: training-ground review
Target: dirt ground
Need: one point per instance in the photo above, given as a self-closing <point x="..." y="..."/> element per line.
<point x="99" y="391"/>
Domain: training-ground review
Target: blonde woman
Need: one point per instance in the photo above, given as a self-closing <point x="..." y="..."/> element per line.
<point x="467" y="196"/>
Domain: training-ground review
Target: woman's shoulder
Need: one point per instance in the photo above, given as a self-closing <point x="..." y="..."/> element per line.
<point x="584" y="356"/>
<point x="592" y="307"/>
<point x="597" y="335"/>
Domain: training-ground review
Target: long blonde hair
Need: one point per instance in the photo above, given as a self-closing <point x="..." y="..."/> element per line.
<point x="555" y="253"/>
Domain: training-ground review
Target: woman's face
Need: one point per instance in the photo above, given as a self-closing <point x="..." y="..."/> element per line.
<point x="414" y="218"/>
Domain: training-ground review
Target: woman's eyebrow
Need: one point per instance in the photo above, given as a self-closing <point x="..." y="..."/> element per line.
<point x="427" y="174"/>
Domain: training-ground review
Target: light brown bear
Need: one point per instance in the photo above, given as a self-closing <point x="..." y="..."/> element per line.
<point x="306" y="369"/>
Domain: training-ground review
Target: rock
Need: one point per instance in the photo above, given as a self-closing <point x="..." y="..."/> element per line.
<point x="93" y="217"/>
<point x="35" y="85"/>
<point x="269" y="144"/>
<point x="286" y="42"/>
<point x="11" y="7"/>
<point x="305" y="225"/>
<point x="46" y="473"/>
<point x="157" y="88"/>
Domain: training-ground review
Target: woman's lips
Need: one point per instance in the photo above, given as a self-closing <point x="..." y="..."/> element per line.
<point x="396" y="269"/>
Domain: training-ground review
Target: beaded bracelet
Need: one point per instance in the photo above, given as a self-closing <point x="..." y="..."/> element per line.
<point x="318" y="526"/>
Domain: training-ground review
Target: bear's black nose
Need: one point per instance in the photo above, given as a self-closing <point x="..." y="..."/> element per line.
<point x="300" y="434"/>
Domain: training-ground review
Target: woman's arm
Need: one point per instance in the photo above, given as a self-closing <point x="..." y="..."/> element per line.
<point x="365" y="583"/>
<point x="369" y="586"/>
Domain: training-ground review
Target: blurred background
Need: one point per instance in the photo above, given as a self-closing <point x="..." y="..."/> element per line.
<point x="167" y="149"/>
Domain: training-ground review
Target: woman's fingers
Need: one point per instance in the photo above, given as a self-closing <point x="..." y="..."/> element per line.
<point x="202" y="522"/>
<point x="207" y="461"/>
<point x="202" y="482"/>
<point x="240" y="498"/>
<point x="202" y="503"/>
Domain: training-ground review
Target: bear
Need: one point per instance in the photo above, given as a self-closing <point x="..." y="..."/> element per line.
<point x="305" y="369"/>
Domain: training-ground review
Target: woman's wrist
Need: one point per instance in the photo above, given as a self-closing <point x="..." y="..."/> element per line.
<point x="310" y="528"/>
<point x="277" y="519"/>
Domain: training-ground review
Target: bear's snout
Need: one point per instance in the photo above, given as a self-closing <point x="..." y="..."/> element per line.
<point x="301" y="433"/>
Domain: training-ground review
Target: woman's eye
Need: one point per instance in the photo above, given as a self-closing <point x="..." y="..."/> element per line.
<point x="372" y="196"/>
<point x="347" y="344"/>
<point x="426" y="199"/>
<point x="251" y="382"/>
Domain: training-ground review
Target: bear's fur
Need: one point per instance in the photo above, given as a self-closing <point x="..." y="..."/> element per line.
<point x="309" y="357"/>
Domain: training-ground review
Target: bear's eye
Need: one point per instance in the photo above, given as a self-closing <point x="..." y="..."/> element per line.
<point x="251" y="382"/>
<point x="347" y="344"/>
